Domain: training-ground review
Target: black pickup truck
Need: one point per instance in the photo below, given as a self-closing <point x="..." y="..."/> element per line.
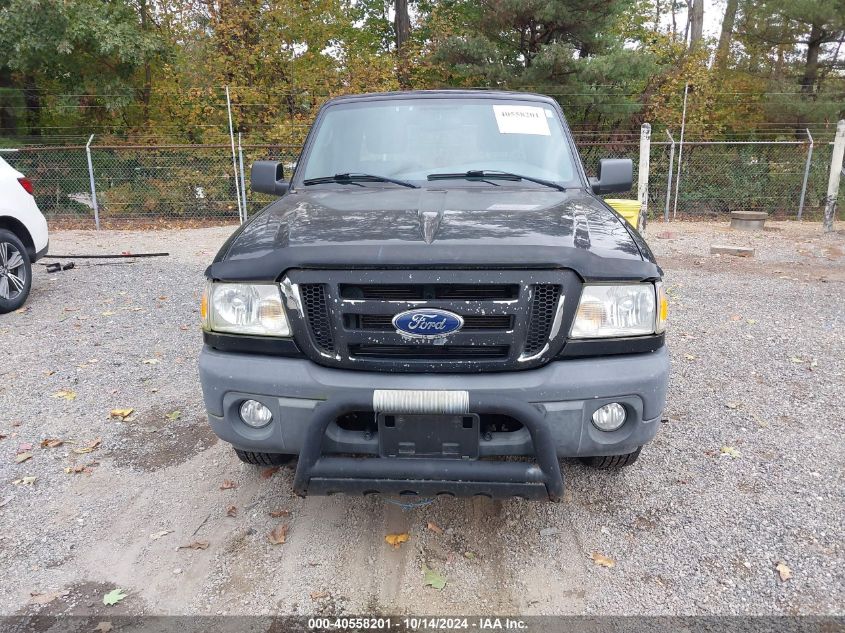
<point x="437" y="302"/>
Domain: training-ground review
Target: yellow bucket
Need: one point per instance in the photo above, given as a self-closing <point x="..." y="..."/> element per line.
<point x="628" y="209"/>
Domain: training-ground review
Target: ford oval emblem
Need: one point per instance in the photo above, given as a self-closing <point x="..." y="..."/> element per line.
<point x="427" y="323"/>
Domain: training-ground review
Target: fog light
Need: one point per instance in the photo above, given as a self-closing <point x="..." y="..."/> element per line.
<point x="255" y="414"/>
<point x="609" y="417"/>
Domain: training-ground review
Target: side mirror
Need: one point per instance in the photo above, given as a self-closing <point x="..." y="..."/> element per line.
<point x="614" y="175"/>
<point x="267" y="176"/>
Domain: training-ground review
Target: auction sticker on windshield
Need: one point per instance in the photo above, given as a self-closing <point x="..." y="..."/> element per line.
<point x="514" y="119"/>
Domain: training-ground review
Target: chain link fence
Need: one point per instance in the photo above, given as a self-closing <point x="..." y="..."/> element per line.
<point x="137" y="185"/>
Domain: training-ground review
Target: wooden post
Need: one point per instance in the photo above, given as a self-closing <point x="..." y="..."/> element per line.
<point x="835" y="173"/>
<point x="642" y="182"/>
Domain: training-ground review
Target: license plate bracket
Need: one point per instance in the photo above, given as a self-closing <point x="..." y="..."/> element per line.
<point x="429" y="436"/>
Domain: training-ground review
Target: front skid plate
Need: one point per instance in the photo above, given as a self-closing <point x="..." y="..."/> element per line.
<point x="411" y="488"/>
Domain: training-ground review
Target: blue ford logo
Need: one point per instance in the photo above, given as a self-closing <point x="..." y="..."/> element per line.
<point x="427" y="323"/>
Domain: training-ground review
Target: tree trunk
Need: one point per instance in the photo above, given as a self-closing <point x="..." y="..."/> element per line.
<point x="724" y="48"/>
<point x="32" y="101"/>
<point x="402" y="26"/>
<point x="696" y="24"/>
<point x="674" y="20"/>
<point x="148" y="74"/>
<point x="8" y="122"/>
<point x="811" y="69"/>
<point x="811" y="66"/>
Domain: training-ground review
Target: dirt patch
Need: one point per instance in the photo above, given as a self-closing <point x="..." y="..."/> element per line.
<point x="153" y="441"/>
<point x="83" y="598"/>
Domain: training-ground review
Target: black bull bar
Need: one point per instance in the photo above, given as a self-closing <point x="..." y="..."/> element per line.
<point x="321" y="474"/>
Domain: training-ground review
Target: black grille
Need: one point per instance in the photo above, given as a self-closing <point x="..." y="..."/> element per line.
<point x="419" y="292"/>
<point x="472" y="323"/>
<point x="543" y="309"/>
<point x="319" y="321"/>
<point x="425" y="352"/>
<point x="347" y="318"/>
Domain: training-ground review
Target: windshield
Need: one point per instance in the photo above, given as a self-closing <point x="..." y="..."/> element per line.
<point x="411" y="139"/>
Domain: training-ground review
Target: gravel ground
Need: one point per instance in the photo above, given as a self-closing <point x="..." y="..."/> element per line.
<point x="758" y="368"/>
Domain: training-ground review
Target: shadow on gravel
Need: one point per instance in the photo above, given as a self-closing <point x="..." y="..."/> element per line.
<point x="80" y="598"/>
<point x="152" y="441"/>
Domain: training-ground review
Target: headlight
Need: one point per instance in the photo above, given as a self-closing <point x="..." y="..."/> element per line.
<point x="662" y="308"/>
<point x="612" y="311"/>
<point x="244" y="309"/>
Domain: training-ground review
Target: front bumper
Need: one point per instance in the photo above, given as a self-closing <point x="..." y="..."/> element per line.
<point x="554" y="403"/>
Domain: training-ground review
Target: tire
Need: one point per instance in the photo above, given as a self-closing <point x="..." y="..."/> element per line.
<point x="612" y="461"/>
<point x="264" y="459"/>
<point x="15" y="272"/>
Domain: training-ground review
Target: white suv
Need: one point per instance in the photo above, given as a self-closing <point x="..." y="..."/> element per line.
<point x="23" y="237"/>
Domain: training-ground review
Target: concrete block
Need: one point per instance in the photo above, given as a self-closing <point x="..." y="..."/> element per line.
<point x="748" y="220"/>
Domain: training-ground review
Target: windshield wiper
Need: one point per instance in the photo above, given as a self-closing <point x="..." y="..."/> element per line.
<point x="480" y="174"/>
<point x="355" y="178"/>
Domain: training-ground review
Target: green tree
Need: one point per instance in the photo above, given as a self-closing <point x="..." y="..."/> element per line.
<point x="87" y="47"/>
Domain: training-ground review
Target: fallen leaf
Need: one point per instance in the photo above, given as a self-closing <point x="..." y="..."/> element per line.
<point x="280" y="513"/>
<point x="29" y="480"/>
<point x="269" y="472"/>
<point x="730" y="450"/>
<point x="434" y="527"/>
<point x="78" y="468"/>
<point x="120" y="414"/>
<point x="689" y="356"/>
<point x="113" y="597"/>
<point x="601" y="559"/>
<point x="51" y="443"/>
<point x="173" y="415"/>
<point x="228" y="484"/>
<point x="469" y="555"/>
<point x="108" y="313"/>
<point x="90" y="446"/>
<point x="157" y="535"/>
<point x="796" y="359"/>
<point x="319" y="595"/>
<point x="195" y="545"/>
<point x="432" y="579"/>
<point x="65" y="394"/>
<point x="784" y="572"/>
<point x="46" y="598"/>
<point x="103" y="627"/>
<point x="279" y="534"/>
<point x="732" y="405"/>
<point x="22" y="457"/>
<point x="24" y="447"/>
<point x="396" y="540"/>
<point x="232" y="511"/>
<point x="151" y="361"/>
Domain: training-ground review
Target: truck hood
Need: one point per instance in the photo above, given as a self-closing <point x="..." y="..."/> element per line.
<point x="374" y="227"/>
